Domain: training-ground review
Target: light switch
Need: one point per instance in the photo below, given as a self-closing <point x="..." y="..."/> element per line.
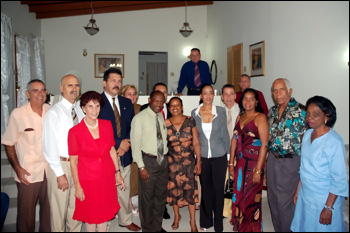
<point x="171" y="73"/>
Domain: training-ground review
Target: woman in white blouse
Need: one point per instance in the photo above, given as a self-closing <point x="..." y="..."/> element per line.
<point x="215" y="145"/>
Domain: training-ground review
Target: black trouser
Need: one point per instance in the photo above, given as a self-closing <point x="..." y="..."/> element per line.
<point x="193" y="91"/>
<point x="212" y="181"/>
<point x="153" y="194"/>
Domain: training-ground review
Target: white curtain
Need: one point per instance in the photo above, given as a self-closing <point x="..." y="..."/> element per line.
<point x="39" y="58"/>
<point x="7" y="67"/>
<point x="23" y="68"/>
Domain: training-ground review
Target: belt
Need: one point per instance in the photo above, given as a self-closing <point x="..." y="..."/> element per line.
<point x="196" y="89"/>
<point x="64" y="159"/>
<point x="149" y="155"/>
<point x="279" y="156"/>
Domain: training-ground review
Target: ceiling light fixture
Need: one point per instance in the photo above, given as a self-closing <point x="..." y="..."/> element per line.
<point x="186" y="30"/>
<point x="91" y="27"/>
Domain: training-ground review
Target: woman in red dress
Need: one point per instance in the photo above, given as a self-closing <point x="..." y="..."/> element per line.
<point x="247" y="163"/>
<point x="93" y="161"/>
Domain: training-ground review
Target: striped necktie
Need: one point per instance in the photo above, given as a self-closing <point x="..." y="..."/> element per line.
<point x="117" y="118"/>
<point x="160" y="145"/>
<point x="74" y="117"/>
<point x="197" y="76"/>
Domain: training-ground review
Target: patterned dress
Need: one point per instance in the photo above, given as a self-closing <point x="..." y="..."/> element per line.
<point x="182" y="185"/>
<point x="246" y="199"/>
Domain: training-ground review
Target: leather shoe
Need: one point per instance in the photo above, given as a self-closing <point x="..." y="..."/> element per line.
<point x="166" y="214"/>
<point x="132" y="227"/>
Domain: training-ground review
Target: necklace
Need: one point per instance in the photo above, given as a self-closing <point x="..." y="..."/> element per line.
<point x="91" y="127"/>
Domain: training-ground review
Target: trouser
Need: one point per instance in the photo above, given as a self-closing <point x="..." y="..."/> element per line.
<point x="62" y="203"/>
<point x="212" y="180"/>
<point x="193" y="91"/>
<point x="124" y="214"/>
<point x="152" y="194"/>
<point x="282" y="176"/>
<point x="227" y="202"/>
<point x="27" y="197"/>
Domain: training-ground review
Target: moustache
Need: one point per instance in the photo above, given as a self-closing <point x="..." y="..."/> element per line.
<point x="116" y="87"/>
<point x="73" y="92"/>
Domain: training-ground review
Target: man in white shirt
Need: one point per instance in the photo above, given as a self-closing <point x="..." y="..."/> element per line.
<point x="228" y="96"/>
<point x="57" y="122"/>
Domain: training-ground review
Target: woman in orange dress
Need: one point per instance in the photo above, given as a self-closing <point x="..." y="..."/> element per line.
<point x="93" y="161"/>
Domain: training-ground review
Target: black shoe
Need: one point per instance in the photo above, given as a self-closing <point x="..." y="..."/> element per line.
<point x="166" y="214"/>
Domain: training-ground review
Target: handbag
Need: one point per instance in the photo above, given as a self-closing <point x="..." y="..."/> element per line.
<point x="229" y="189"/>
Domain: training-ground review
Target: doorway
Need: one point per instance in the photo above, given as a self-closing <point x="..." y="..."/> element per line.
<point x="153" y="68"/>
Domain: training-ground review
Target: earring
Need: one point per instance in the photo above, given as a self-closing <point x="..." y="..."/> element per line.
<point x="325" y="121"/>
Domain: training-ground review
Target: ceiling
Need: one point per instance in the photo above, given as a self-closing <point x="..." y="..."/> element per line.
<point x="54" y="9"/>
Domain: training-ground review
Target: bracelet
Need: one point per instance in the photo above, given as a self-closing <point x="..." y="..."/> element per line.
<point x="257" y="172"/>
<point x="141" y="168"/>
<point x="117" y="171"/>
<point x="328" y="208"/>
<point x="230" y="164"/>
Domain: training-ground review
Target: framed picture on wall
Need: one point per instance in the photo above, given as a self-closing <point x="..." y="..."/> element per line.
<point x="257" y="59"/>
<point x="106" y="61"/>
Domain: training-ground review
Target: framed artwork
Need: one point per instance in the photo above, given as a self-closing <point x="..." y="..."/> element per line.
<point x="106" y="61"/>
<point x="257" y="59"/>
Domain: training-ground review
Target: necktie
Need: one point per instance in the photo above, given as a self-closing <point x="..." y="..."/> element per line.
<point x="74" y="117"/>
<point x="160" y="148"/>
<point x="197" y="76"/>
<point x="229" y="124"/>
<point x="163" y="113"/>
<point x="117" y="118"/>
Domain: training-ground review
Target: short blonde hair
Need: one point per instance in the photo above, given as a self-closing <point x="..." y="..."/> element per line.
<point x="127" y="87"/>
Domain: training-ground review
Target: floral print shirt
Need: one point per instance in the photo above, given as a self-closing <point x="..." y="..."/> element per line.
<point x="286" y="133"/>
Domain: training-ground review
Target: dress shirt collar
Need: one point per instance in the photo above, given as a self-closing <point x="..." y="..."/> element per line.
<point x="67" y="104"/>
<point x="30" y="110"/>
<point x="151" y="112"/>
<point x="213" y="109"/>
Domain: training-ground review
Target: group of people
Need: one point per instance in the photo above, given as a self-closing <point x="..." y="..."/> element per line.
<point x="84" y="160"/>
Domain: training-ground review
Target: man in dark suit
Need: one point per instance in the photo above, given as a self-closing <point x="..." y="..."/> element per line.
<point x="162" y="87"/>
<point x="120" y="111"/>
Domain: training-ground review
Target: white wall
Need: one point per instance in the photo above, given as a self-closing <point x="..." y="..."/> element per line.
<point x="120" y="33"/>
<point x="305" y="42"/>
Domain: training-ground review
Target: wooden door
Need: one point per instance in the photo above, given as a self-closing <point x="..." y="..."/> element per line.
<point x="156" y="72"/>
<point x="234" y="65"/>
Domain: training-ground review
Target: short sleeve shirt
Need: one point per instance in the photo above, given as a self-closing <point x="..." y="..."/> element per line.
<point x="286" y="133"/>
<point x="24" y="131"/>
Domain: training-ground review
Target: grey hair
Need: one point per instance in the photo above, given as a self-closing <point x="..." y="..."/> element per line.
<point x="286" y="81"/>
<point x="34" y="81"/>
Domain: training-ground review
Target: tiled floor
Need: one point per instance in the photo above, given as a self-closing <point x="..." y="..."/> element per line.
<point x="185" y="226"/>
<point x="184" y="223"/>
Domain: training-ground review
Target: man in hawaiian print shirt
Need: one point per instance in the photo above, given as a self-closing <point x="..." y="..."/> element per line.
<point x="287" y="127"/>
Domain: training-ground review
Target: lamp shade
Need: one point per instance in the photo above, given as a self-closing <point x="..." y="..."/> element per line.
<point x="186" y="30"/>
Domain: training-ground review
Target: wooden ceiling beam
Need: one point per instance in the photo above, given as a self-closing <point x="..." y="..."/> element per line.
<point x="66" y="6"/>
<point x="53" y="9"/>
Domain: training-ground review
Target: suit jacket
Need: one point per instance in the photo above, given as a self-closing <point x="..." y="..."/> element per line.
<point x="126" y="116"/>
<point x="167" y="107"/>
<point x="219" y="137"/>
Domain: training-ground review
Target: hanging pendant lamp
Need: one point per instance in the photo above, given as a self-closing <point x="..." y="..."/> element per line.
<point x="186" y="30"/>
<point x="91" y="27"/>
